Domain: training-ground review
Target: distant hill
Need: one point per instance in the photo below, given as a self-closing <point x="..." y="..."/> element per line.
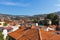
<point x="43" y="15"/>
<point x="1" y="14"/>
<point x="57" y="13"/>
<point x="38" y="15"/>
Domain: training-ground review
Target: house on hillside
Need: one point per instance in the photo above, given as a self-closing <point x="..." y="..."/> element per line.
<point x="2" y="24"/>
<point x="41" y="21"/>
<point x="41" y="18"/>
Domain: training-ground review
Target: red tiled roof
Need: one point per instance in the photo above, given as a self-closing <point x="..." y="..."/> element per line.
<point x="49" y="35"/>
<point x="34" y="34"/>
<point x="31" y="34"/>
<point x="16" y="33"/>
<point x="21" y="34"/>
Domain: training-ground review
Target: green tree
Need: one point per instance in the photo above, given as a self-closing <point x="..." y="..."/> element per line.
<point x="35" y="20"/>
<point x="54" y="18"/>
<point x="5" y="24"/>
<point x="50" y="16"/>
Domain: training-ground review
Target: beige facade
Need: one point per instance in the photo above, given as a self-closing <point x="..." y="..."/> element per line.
<point x="2" y="24"/>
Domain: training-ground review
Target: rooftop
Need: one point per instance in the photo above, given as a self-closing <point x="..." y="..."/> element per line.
<point x="34" y="34"/>
<point x="25" y="34"/>
<point x="49" y="35"/>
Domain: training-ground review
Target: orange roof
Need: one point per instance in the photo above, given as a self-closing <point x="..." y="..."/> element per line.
<point x="23" y="34"/>
<point x="34" y="34"/>
<point x="33" y="27"/>
<point x="49" y="35"/>
<point x="16" y="33"/>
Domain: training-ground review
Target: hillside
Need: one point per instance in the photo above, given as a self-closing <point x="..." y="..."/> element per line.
<point x="43" y="15"/>
<point x="38" y="15"/>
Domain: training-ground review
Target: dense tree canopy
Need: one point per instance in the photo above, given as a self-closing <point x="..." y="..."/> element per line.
<point x="54" y="18"/>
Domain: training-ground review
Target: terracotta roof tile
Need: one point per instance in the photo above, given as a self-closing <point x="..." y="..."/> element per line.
<point x="30" y="34"/>
<point x="33" y="34"/>
<point x="16" y="33"/>
<point x="49" y="35"/>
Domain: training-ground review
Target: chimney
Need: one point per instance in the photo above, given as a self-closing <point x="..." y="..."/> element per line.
<point x="36" y="24"/>
<point x="33" y="27"/>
